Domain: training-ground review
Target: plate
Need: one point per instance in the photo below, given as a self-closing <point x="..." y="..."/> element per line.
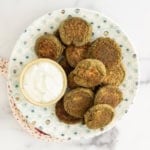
<point x="45" y="119"/>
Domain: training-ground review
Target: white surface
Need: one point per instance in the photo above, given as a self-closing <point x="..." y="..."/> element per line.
<point x="133" y="130"/>
<point x="43" y="82"/>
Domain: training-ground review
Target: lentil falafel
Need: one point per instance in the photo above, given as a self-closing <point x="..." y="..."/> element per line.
<point x="75" y="31"/>
<point x="75" y="54"/>
<point x="99" y="116"/>
<point x="106" y="50"/>
<point x="114" y="76"/>
<point x="48" y="46"/>
<point x="71" y="82"/>
<point x="89" y="73"/>
<point x="110" y="95"/>
<point x="77" y="101"/>
<point x="63" y="115"/>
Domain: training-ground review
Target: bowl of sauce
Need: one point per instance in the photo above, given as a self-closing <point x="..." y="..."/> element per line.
<point x="43" y="82"/>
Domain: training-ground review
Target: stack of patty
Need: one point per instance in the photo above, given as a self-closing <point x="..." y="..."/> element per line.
<point x="94" y="71"/>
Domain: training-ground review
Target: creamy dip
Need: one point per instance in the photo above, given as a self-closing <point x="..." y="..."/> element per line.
<point x="43" y="81"/>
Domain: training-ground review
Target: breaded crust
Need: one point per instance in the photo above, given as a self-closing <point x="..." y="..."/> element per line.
<point x="75" y="54"/>
<point x="71" y="82"/>
<point x="75" y="31"/>
<point x="105" y="50"/>
<point x="110" y="95"/>
<point x="115" y="76"/>
<point x="77" y="101"/>
<point x="48" y="46"/>
<point x="63" y="115"/>
<point x="89" y="73"/>
<point x="64" y="63"/>
<point x="99" y="116"/>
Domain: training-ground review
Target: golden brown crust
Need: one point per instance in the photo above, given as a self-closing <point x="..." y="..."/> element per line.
<point x="64" y="63"/>
<point x="75" y="31"/>
<point x="48" y="46"/>
<point x="89" y="73"/>
<point x="71" y="82"/>
<point x="99" y="116"/>
<point x="77" y="101"/>
<point x="110" y="95"/>
<point x="75" y="54"/>
<point x="105" y="50"/>
<point x="63" y="115"/>
<point x="115" y="76"/>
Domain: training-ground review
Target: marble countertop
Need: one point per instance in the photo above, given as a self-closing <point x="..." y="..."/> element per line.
<point x="133" y="131"/>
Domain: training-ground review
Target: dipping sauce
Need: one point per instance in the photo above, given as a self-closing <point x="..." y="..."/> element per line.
<point x="43" y="82"/>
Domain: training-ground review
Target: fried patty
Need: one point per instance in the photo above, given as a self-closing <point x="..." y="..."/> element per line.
<point x="48" y="46"/>
<point x="71" y="82"/>
<point x="106" y="50"/>
<point x="77" y="101"/>
<point x="75" y="54"/>
<point x="63" y="115"/>
<point x="110" y="95"/>
<point x="89" y="73"/>
<point x="115" y="76"/>
<point x="99" y="116"/>
<point x="75" y="31"/>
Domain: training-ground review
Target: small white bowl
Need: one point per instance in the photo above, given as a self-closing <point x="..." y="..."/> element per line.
<point x="31" y="72"/>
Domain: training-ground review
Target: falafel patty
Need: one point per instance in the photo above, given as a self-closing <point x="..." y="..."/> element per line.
<point x="106" y="50"/>
<point x="89" y="73"/>
<point x="77" y="101"/>
<point x="99" y="116"/>
<point x="115" y="76"/>
<point x="75" y="31"/>
<point x="63" y="115"/>
<point x="75" y="54"/>
<point x="110" y="95"/>
<point x="48" y="46"/>
<point x="71" y="82"/>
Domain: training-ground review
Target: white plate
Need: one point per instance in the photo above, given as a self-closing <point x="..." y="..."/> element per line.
<point x="45" y="118"/>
